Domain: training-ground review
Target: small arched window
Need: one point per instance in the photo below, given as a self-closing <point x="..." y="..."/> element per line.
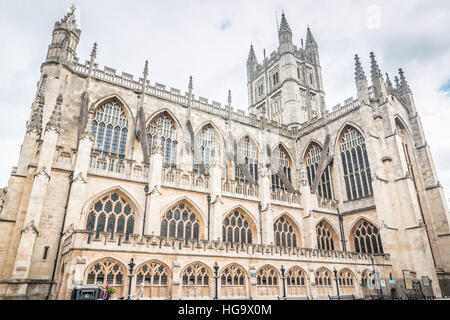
<point x="110" y="129"/>
<point x="180" y="222"/>
<point x="248" y="156"/>
<point x="325" y="236"/>
<point x="232" y="276"/>
<point x="285" y="233"/>
<point x="153" y="273"/>
<point x="105" y="272"/>
<point x="112" y="214"/>
<point x="164" y="127"/>
<point x="323" y="277"/>
<point x="196" y="275"/>
<point x="267" y="276"/>
<point x="296" y="277"/>
<point x="367" y="238"/>
<point x="325" y="188"/>
<point x="285" y="166"/>
<point x="346" y="278"/>
<point x="205" y="142"/>
<point x="237" y="228"/>
<point x="357" y="176"/>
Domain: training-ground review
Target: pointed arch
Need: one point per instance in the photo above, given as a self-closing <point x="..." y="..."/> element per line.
<point x="312" y="160"/>
<point x="296" y="281"/>
<point x="158" y="113"/>
<point x="95" y="105"/>
<point x="355" y="163"/>
<point x="323" y="277"/>
<point x="346" y="278"/>
<point x="182" y="220"/>
<point x="106" y="271"/>
<point x="196" y="280"/>
<point x="341" y="131"/>
<point x="267" y="275"/>
<point x="207" y="136"/>
<point x="308" y="146"/>
<point x="111" y="127"/>
<point x="163" y="126"/>
<point x="248" y="156"/>
<point x="327" y="238"/>
<point x="365" y="237"/>
<point x="112" y="212"/>
<point x="233" y="280"/>
<point x="239" y="226"/>
<point x="285" y="162"/>
<point x="153" y="279"/>
<point x="286" y="232"/>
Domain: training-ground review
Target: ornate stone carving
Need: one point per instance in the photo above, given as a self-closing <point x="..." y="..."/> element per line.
<point x="80" y="178"/>
<point x="42" y="172"/>
<point x="55" y="119"/>
<point x="35" y="123"/>
<point x="30" y="227"/>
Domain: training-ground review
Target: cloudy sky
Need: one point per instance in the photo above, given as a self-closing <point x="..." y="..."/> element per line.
<point x="210" y="40"/>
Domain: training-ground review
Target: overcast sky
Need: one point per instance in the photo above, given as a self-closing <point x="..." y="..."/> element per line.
<point x="210" y="40"/>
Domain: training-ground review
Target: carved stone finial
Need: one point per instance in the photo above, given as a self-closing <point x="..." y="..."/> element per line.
<point x="55" y="119"/>
<point x="94" y="52"/>
<point x="359" y="71"/>
<point x="374" y="70"/>
<point x="404" y="86"/>
<point x="35" y="123"/>
<point x="86" y="132"/>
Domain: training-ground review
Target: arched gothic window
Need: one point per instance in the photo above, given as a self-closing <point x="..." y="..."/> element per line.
<point x="285" y="166"/>
<point x="325" y="188"/>
<point x="368" y="278"/>
<point x="112" y="214"/>
<point x="153" y="273"/>
<point x="180" y="222"/>
<point x="357" y="176"/>
<point x="296" y="277"/>
<point x="267" y="276"/>
<point x="205" y="141"/>
<point x="323" y="277"/>
<point x="367" y="238"/>
<point x="249" y="158"/>
<point x="105" y="272"/>
<point x="346" y="278"/>
<point x="196" y="275"/>
<point x="405" y="144"/>
<point x="237" y="228"/>
<point x="232" y="276"/>
<point x="163" y="126"/>
<point x="285" y="233"/>
<point x="325" y="236"/>
<point x="110" y="129"/>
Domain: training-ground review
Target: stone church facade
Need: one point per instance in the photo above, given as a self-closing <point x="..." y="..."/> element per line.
<point x="289" y="199"/>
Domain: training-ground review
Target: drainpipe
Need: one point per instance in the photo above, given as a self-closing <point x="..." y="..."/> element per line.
<point x="341" y="228"/>
<point x="260" y="223"/>
<point x="209" y="215"/>
<point x="60" y="237"/>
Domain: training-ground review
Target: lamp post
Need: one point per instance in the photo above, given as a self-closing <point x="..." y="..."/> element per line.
<point x="337" y="284"/>
<point x="216" y="272"/>
<point x="131" y="265"/>
<point x="284" y="282"/>
<point x="146" y="190"/>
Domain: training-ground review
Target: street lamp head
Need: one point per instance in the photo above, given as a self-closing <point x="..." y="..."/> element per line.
<point x="282" y="270"/>
<point x="146" y="189"/>
<point x="216" y="268"/>
<point x="131" y="265"/>
<point x="335" y="273"/>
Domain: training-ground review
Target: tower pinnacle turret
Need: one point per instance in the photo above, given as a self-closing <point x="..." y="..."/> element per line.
<point x="66" y="36"/>
<point x="284" y="33"/>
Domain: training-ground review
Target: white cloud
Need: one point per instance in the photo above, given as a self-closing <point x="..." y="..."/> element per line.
<point x="210" y="41"/>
